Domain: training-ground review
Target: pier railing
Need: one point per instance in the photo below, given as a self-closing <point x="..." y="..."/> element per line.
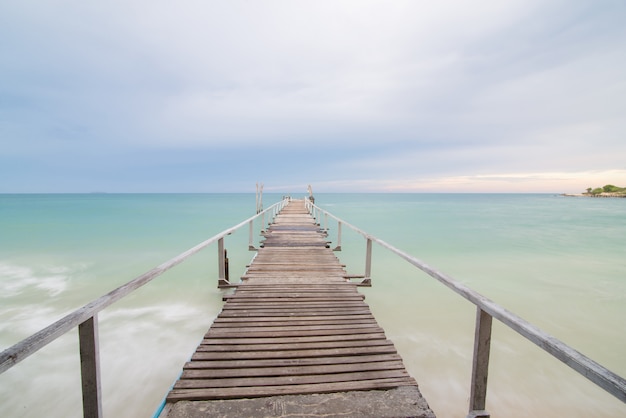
<point x="486" y="310"/>
<point x="86" y="318"/>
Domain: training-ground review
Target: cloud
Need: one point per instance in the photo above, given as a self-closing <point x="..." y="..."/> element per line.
<point x="407" y="88"/>
<point x="527" y="182"/>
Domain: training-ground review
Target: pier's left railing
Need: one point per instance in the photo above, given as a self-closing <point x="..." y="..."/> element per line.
<point x="86" y="318"/>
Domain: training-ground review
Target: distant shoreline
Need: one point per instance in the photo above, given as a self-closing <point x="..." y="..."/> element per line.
<point x="622" y="195"/>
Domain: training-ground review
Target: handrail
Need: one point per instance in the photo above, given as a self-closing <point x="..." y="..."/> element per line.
<point x="86" y="319"/>
<point x="590" y="369"/>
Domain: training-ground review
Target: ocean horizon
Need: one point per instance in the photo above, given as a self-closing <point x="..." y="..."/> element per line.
<point x="556" y="261"/>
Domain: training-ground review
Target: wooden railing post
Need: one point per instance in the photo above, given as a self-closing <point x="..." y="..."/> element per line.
<point x="338" y="247"/>
<point x="367" y="281"/>
<point x="90" y="368"/>
<point x="221" y="263"/>
<point x="480" y="365"/>
<point x="251" y="246"/>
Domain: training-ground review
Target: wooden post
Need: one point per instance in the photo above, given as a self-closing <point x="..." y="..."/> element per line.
<point x="338" y="247"/>
<point x="251" y="246"/>
<point x="221" y="279"/>
<point x="367" y="281"/>
<point x="90" y="368"/>
<point x="480" y="365"/>
<point x="226" y="273"/>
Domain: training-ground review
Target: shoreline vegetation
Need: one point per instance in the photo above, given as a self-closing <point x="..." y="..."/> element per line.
<point x="607" y="191"/>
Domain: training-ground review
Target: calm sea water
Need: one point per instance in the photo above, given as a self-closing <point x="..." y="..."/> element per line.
<point x="557" y="262"/>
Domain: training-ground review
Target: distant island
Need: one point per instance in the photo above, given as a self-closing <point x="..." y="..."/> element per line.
<point x="607" y="191"/>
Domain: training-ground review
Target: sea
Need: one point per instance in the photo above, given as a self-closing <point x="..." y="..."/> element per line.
<point x="558" y="262"/>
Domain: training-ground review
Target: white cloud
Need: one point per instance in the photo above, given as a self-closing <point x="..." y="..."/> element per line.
<point x="458" y="87"/>
<point x="506" y="182"/>
<point x="547" y="182"/>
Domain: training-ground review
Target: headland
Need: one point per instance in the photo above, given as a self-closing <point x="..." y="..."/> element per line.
<point x="607" y="191"/>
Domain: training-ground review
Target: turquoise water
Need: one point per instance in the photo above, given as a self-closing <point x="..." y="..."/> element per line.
<point x="557" y="262"/>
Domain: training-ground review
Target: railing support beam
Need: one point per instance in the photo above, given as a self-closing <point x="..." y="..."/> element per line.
<point x="480" y="365"/>
<point x="367" y="281"/>
<point x="338" y="247"/>
<point x="251" y="246"/>
<point x="90" y="368"/>
<point x="221" y="263"/>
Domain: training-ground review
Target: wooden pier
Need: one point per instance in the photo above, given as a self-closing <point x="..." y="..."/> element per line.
<point x="296" y="337"/>
<point x="295" y="328"/>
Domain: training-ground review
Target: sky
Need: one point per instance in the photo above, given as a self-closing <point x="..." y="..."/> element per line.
<point x="347" y="96"/>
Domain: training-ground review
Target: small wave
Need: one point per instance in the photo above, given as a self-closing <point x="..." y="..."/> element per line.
<point x="16" y="280"/>
<point x="167" y="313"/>
<point x="27" y="319"/>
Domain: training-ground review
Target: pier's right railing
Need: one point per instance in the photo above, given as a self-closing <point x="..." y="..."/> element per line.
<point x="486" y="310"/>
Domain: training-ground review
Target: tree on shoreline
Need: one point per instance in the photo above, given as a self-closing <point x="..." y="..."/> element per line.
<point x="609" y="188"/>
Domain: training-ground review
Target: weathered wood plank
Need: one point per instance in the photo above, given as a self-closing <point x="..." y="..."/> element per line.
<point x="266" y="296"/>
<point x="293" y="340"/>
<point x="295" y="333"/>
<point x="293" y="346"/>
<point x="261" y="311"/>
<point x="316" y="361"/>
<point x="285" y="354"/>
<point x="251" y="392"/>
<point x="291" y="379"/>
<point x="298" y="327"/>
<point x="293" y="319"/>
<point x="213" y="373"/>
<point x="291" y="323"/>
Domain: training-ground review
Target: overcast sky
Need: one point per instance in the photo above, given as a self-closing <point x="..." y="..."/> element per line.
<point x="348" y="96"/>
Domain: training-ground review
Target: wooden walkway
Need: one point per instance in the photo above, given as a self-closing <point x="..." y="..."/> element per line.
<point x="294" y="326"/>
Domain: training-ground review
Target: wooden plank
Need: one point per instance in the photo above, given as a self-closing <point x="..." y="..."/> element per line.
<point x="251" y="392"/>
<point x="236" y="321"/>
<point x="301" y="305"/>
<point x="292" y="323"/>
<point x="364" y="338"/>
<point x="213" y="373"/>
<point x="247" y="313"/>
<point x="303" y="327"/>
<point x="285" y="354"/>
<point x="317" y="299"/>
<point x="292" y="346"/>
<point x="282" y="287"/>
<point x="295" y="333"/>
<point x="315" y="361"/>
<point x="301" y="318"/>
<point x="291" y="379"/>
<point x="260" y="296"/>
